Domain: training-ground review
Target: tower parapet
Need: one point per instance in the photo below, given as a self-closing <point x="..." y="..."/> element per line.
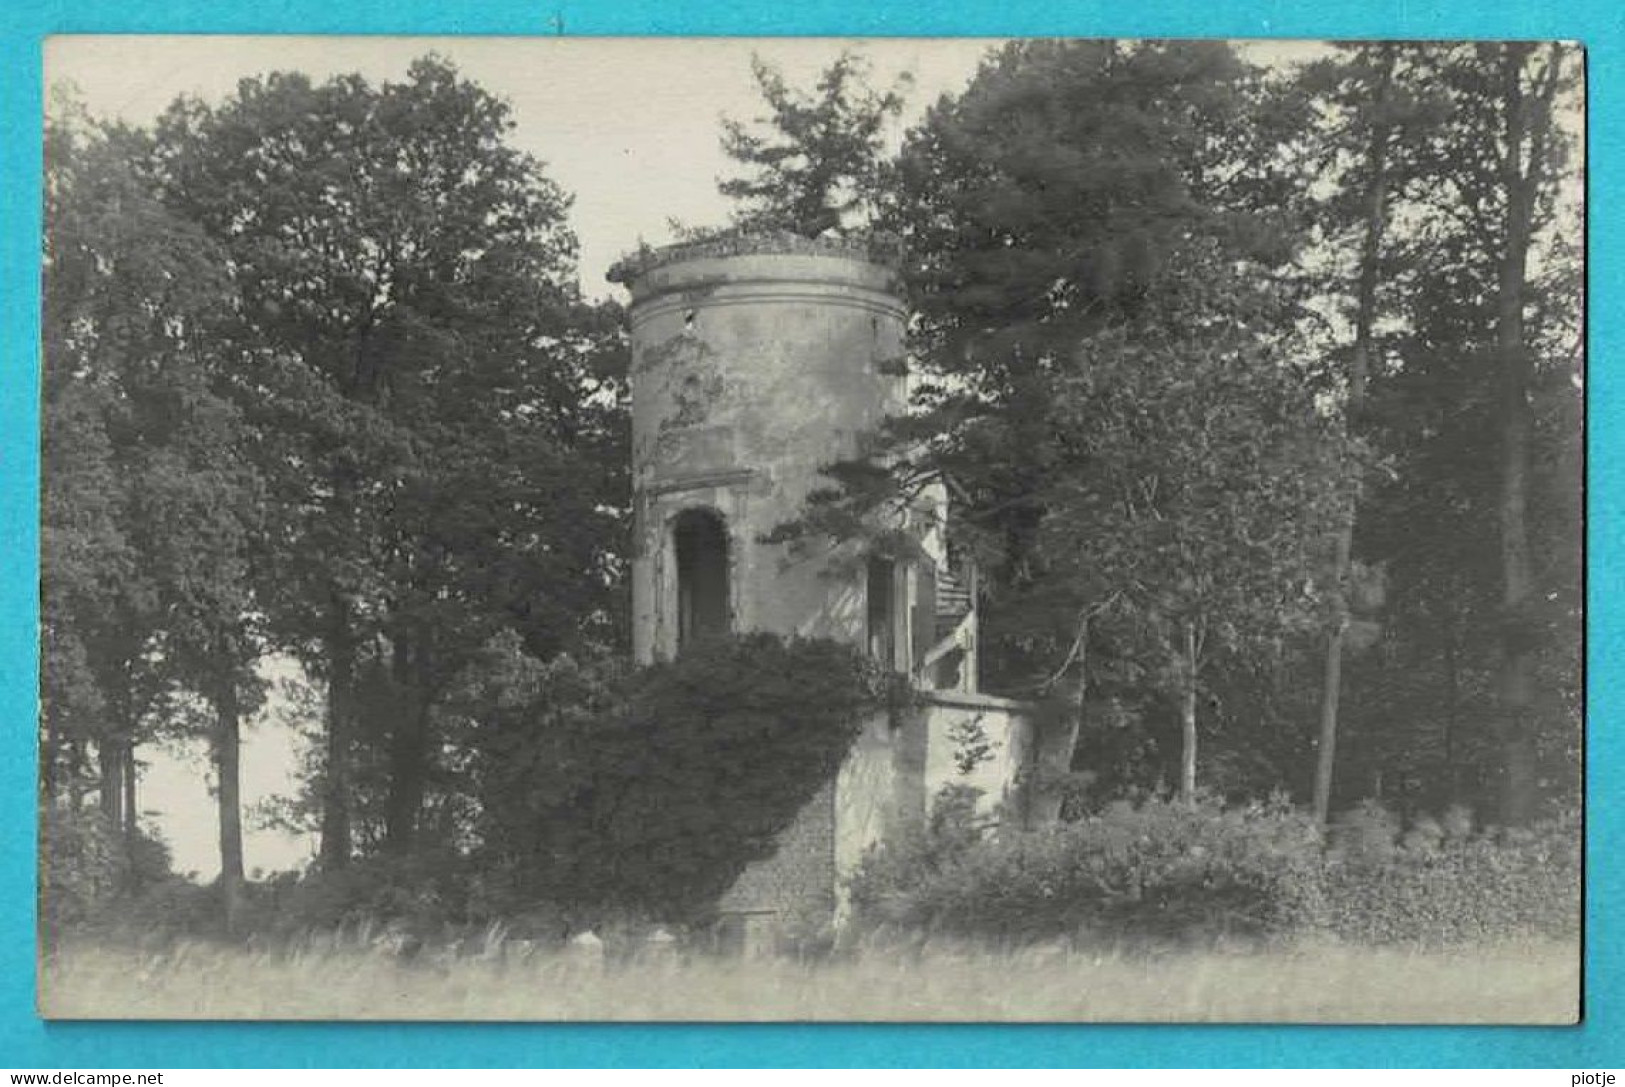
<point x="880" y="249"/>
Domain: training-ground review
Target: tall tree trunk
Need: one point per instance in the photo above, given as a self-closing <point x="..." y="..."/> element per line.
<point x="1452" y="719"/>
<point x="1187" y="718"/>
<point x="227" y="752"/>
<point x="1527" y="122"/>
<point x="1058" y="739"/>
<point x="110" y="779"/>
<point x="132" y="816"/>
<point x="335" y="847"/>
<point x="408" y="752"/>
<point x="1365" y="314"/>
<point x="1331" y="683"/>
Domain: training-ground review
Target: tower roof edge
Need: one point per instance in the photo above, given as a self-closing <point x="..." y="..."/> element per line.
<point x="873" y="247"/>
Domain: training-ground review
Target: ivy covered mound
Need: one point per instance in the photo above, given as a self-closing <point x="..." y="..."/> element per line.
<point x="651" y="792"/>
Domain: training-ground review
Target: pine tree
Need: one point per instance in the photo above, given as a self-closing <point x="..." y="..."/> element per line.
<point x="816" y="168"/>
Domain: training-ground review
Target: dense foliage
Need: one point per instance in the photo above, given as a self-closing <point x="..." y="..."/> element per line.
<point x="1099" y="246"/>
<point x="1440" y="882"/>
<point x="654" y="791"/>
<point x="1160" y="870"/>
<point x="442" y="437"/>
<point x="151" y="506"/>
<point x="89" y="866"/>
<point x="319" y="382"/>
<point x="1165" y="871"/>
<point x="1259" y="396"/>
<point x="1473" y="695"/>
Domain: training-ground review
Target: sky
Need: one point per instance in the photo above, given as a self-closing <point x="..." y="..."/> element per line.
<point x="630" y="126"/>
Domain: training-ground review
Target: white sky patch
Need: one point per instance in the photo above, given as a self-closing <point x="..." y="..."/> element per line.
<point x="629" y="126"/>
<point x="176" y="793"/>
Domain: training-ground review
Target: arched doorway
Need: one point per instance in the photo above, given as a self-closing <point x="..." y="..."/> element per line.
<point x="701" y="542"/>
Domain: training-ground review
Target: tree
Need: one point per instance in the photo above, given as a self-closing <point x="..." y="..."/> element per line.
<point x="1528" y="87"/>
<point x="1359" y="88"/>
<point x="1107" y="314"/>
<point x="200" y="496"/>
<point x="1187" y="506"/>
<point x="98" y="606"/>
<point x="1097" y="240"/>
<point x="817" y="168"/>
<point x="1481" y="361"/>
<point x="1065" y="187"/>
<point x="406" y="289"/>
<point x="1083" y="203"/>
<point x="150" y="509"/>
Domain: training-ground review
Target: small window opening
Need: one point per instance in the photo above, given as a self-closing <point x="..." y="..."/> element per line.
<point x="881" y="614"/>
<point x="702" y="576"/>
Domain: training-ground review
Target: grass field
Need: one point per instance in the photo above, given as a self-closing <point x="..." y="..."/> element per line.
<point x="1536" y="983"/>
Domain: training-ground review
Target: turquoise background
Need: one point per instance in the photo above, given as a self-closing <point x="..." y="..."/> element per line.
<point x="26" y="1042"/>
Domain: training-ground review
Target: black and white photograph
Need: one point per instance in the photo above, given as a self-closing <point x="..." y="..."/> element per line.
<point x="797" y="529"/>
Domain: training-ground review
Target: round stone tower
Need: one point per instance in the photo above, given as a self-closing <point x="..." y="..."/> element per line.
<point x="756" y="361"/>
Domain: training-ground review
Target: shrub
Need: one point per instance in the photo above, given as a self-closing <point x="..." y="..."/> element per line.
<point x="1367" y="832"/>
<point x="651" y="793"/>
<point x="883" y="887"/>
<point x="1162" y="870"/>
<point x="161" y="912"/>
<point x="1440" y="884"/>
<point x="425" y="893"/>
<point x="1157" y="870"/>
<point x="88" y="865"/>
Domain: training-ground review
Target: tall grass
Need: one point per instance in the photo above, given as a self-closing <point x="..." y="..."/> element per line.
<point x="499" y="980"/>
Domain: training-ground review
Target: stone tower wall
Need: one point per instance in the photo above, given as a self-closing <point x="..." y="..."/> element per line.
<point x="750" y="371"/>
<point x="755" y="362"/>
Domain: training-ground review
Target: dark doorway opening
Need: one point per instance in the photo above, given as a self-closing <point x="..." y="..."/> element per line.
<point x="882" y="617"/>
<point x="701" y="539"/>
